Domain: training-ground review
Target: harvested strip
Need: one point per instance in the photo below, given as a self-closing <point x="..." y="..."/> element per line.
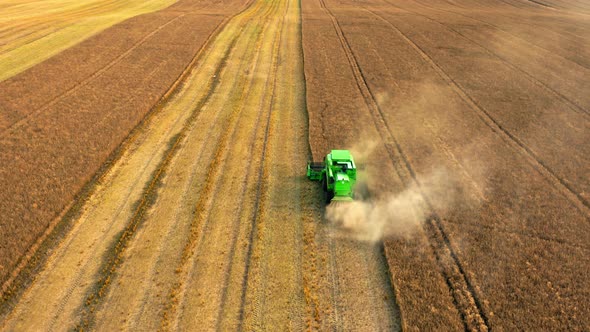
<point x="54" y="153"/>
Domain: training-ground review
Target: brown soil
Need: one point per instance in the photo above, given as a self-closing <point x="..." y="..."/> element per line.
<point x="494" y="94"/>
<point x="61" y="119"/>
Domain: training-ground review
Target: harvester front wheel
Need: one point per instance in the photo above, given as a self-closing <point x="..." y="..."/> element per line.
<point x="328" y="194"/>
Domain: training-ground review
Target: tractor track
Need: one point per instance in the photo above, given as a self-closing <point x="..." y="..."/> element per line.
<point x="481" y="196"/>
<point x="49" y="30"/>
<point x="263" y="187"/>
<point x="524" y="234"/>
<point x="241" y="210"/>
<point x="235" y="225"/>
<point x="556" y="181"/>
<point x="465" y="297"/>
<point x="202" y="220"/>
<point x="564" y="188"/>
<point x="335" y="281"/>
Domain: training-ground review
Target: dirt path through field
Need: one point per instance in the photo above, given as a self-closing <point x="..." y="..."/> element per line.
<point x="207" y="219"/>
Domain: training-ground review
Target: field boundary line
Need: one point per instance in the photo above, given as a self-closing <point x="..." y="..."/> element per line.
<point x="579" y="202"/>
<point x="467" y="297"/>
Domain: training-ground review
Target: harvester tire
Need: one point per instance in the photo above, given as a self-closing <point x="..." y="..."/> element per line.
<point x="328" y="194"/>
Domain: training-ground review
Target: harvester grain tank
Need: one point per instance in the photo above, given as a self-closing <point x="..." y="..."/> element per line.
<point x="337" y="174"/>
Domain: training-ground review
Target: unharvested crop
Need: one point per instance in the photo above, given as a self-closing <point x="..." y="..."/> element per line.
<point x="493" y="93"/>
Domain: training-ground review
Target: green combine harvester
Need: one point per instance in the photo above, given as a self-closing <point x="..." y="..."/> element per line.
<point x="337" y="174"/>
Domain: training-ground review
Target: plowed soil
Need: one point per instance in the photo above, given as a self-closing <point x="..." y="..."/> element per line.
<point x="494" y="94"/>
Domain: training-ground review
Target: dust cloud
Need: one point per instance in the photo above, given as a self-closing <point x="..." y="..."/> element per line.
<point x="395" y="215"/>
<point x="401" y="212"/>
<point x="451" y="174"/>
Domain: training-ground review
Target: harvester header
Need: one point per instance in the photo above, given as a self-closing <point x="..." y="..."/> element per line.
<point x="337" y="174"/>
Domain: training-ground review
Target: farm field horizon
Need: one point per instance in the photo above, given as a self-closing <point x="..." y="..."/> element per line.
<point x="153" y="165"/>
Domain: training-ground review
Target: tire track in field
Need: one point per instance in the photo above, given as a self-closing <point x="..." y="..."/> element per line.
<point x="265" y="129"/>
<point x="578" y="200"/>
<point x="20" y="122"/>
<point x="264" y="108"/>
<point x="464" y="294"/>
<point x="446" y="150"/>
<point x="262" y="190"/>
<point x="336" y="288"/>
<point x="450" y="156"/>
<point x="201" y="224"/>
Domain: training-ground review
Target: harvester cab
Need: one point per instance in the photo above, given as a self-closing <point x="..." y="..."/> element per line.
<point x="337" y="174"/>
